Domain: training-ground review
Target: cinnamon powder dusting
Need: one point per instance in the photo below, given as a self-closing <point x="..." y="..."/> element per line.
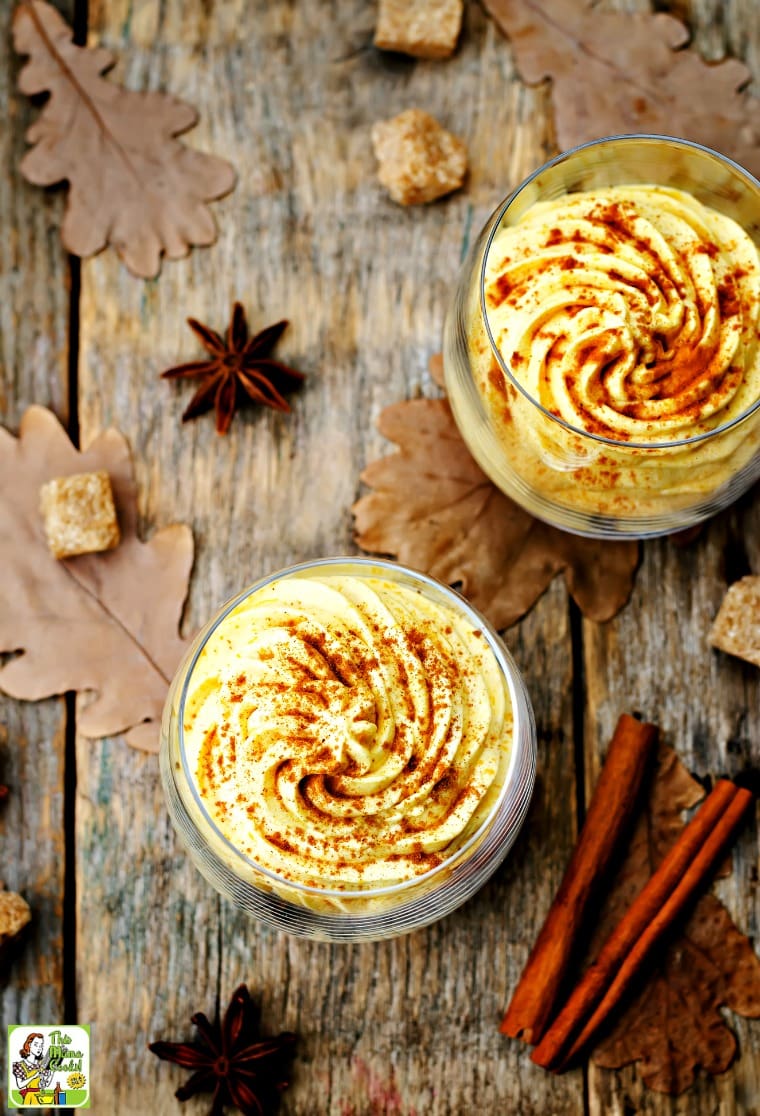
<point x="319" y="720"/>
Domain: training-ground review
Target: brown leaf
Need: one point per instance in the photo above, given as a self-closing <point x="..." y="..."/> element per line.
<point x="102" y="622"/>
<point x="616" y="72"/>
<point x="675" y="1025"/>
<point x="435" y="368"/>
<point x="435" y="510"/>
<point x="132" y="183"/>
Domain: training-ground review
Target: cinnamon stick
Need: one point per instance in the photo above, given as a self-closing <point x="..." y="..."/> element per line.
<point x="683" y="872"/>
<point x="607" y="823"/>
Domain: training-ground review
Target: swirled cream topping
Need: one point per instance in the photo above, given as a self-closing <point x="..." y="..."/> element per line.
<point x="629" y="312"/>
<point x="347" y="731"/>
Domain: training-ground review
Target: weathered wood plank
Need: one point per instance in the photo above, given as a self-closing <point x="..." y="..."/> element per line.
<point x="407" y="1026"/>
<point x="655" y="658"/>
<point x="34" y="311"/>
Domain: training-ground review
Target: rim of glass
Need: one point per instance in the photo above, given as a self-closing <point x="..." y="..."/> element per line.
<point x="500" y="652"/>
<point x="689" y="145"/>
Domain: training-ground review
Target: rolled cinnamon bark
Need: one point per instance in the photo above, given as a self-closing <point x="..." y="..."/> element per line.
<point x="683" y="872"/>
<point x="607" y="823"/>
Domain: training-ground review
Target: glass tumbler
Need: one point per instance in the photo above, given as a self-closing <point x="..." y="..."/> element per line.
<point x="555" y="401"/>
<point x="315" y="904"/>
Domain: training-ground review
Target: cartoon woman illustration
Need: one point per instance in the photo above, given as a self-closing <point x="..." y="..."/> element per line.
<point x="32" y="1073"/>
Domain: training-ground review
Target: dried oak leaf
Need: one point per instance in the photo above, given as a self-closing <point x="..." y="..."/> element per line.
<point x="616" y="72"/>
<point x="675" y="1025"/>
<point x="132" y="183"/>
<point x="433" y="508"/>
<point x="104" y="622"/>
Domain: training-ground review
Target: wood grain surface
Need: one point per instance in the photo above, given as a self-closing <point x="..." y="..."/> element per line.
<point x="288" y="91"/>
<point x="34" y="324"/>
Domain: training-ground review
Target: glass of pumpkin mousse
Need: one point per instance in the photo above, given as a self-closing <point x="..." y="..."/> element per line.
<point x="348" y="750"/>
<point x="602" y="353"/>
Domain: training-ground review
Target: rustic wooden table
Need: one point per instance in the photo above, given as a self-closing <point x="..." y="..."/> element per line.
<point x="126" y="934"/>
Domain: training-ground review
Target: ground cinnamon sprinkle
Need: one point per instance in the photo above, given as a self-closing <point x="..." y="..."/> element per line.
<point x="318" y="781"/>
<point x="729" y="302"/>
<point x="642" y="285"/>
<point x="279" y="842"/>
<point x="502" y="290"/>
<point x="206" y="759"/>
<point x="445" y="783"/>
<point x="496" y="377"/>
<point x="662" y="386"/>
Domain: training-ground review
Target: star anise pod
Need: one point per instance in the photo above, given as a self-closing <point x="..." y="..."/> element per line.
<point x="239" y="367"/>
<point x="231" y="1060"/>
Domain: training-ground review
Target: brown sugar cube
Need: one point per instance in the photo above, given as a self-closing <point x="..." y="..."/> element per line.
<point x="14" y="915"/>
<point x="423" y="28"/>
<point x="79" y="514"/>
<point x="419" y="160"/>
<point x="736" y="628"/>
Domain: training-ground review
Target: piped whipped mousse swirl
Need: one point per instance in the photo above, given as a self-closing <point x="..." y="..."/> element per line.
<point x="631" y="312"/>
<point x="347" y="731"/>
